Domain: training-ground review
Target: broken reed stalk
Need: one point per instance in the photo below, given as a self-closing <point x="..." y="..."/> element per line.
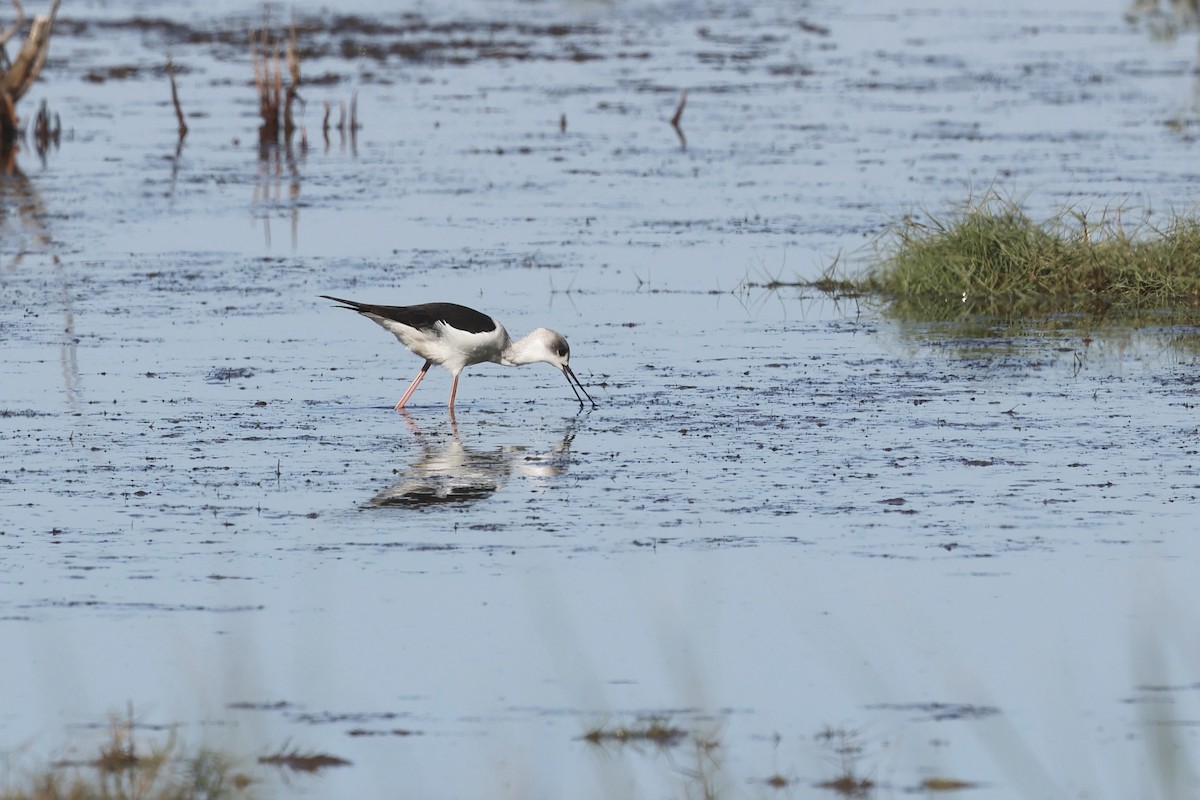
<point x="293" y="64"/>
<point x="16" y="79"/>
<point x="183" y="128"/>
<point x="45" y="132"/>
<point x="261" y="68"/>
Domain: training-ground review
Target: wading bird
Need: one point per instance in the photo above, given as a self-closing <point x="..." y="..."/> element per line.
<point x="457" y="337"/>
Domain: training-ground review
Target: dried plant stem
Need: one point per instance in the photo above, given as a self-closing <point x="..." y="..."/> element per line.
<point x="11" y="30"/>
<point x="676" y="119"/>
<point x="276" y="102"/>
<point x="183" y="128"/>
<point x="292" y="95"/>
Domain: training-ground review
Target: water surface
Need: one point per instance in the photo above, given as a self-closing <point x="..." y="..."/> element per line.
<point x="969" y="547"/>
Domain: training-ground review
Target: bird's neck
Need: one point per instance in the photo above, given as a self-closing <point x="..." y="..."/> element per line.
<point x="518" y="352"/>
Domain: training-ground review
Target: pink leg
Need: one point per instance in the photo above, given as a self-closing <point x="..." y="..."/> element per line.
<point x="453" y="391"/>
<point x="412" y="387"/>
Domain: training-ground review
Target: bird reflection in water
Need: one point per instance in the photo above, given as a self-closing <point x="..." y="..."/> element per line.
<point x="447" y="472"/>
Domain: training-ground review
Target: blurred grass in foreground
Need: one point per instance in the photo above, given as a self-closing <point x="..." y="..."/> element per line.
<point x="126" y="768"/>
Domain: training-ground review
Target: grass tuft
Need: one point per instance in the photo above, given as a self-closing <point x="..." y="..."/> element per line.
<point x="990" y="255"/>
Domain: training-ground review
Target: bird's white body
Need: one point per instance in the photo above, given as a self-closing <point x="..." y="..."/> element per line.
<point x="457" y="337"/>
<point x="444" y="344"/>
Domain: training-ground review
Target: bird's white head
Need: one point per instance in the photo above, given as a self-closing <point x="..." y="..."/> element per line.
<point x="543" y="344"/>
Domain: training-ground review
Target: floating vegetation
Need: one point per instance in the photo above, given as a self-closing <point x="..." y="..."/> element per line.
<point x="945" y="785"/>
<point x="298" y="761"/>
<point x="654" y="729"/>
<point x="990" y="257"/>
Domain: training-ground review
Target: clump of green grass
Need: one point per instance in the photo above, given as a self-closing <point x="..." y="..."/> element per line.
<point x="991" y="255"/>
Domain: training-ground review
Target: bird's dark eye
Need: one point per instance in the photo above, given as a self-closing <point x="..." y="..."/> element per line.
<point x="563" y="351"/>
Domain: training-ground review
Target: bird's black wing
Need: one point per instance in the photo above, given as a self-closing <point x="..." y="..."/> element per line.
<point x="425" y="315"/>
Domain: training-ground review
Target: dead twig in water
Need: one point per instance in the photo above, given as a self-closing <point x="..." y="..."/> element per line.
<point x="183" y="128"/>
<point x="301" y="762"/>
<point x="679" y="116"/>
<point x="11" y="30"/>
<point x="293" y="62"/>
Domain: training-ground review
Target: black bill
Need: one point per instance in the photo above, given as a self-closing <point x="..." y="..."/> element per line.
<point x="574" y="381"/>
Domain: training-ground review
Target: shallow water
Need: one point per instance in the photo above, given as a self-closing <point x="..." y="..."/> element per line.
<point x="970" y="545"/>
